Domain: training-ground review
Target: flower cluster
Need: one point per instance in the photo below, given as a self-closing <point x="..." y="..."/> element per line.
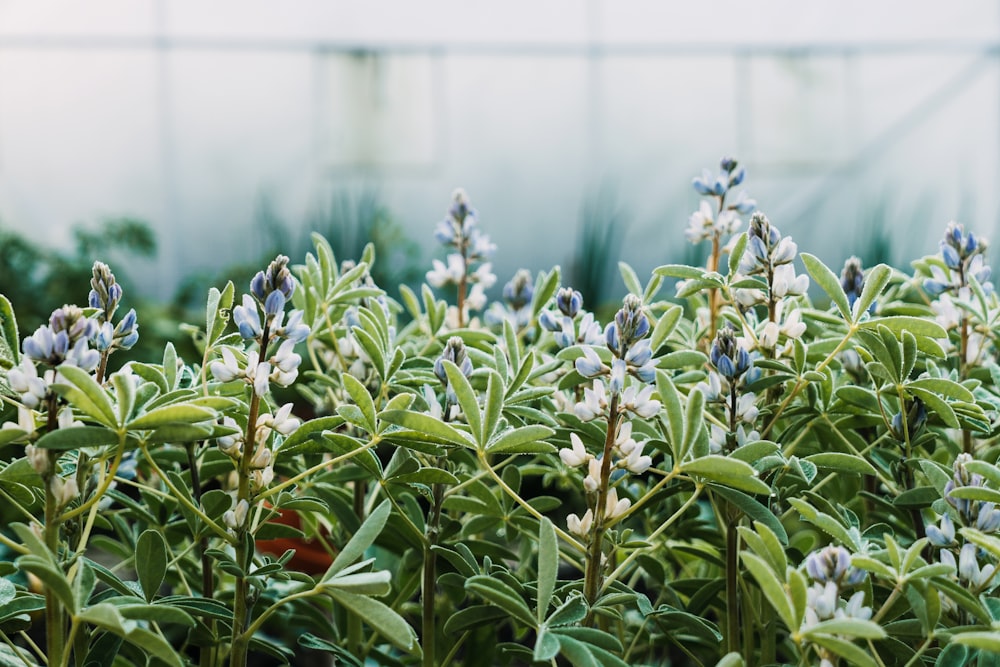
<point x="722" y="218"/>
<point x="454" y="351"/>
<point x="831" y="571"/>
<point x="105" y="294"/>
<point x="566" y="330"/>
<point x="459" y="231"/>
<point x="962" y="255"/>
<point x="769" y="254"/>
<point x="516" y="309"/>
<point x="271" y="290"/>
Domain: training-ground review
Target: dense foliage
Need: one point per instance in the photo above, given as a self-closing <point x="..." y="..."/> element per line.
<point x="732" y="473"/>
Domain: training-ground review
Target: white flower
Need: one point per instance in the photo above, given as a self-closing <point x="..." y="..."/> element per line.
<point x="24" y="380"/>
<point x="228" y="369"/>
<point x="615" y="508"/>
<point x="236" y="517"/>
<point x="579" y="526"/>
<point x="855" y="608"/>
<point x="231" y="445"/>
<point x="483" y="275"/>
<point x="476" y="298"/>
<point x="641" y="402"/>
<point x="577" y="455"/>
<point x="786" y="283"/>
<point x="594" y="402"/>
<point x="637" y="463"/>
<point x="700" y="224"/>
<point x="446" y="274"/>
<point x="592" y="481"/>
<point x="283" y="422"/>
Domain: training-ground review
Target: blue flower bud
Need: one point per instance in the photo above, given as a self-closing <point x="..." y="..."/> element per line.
<point x="247" y="319"/>
<point x="736" y="177"/>
<point x="547" y="320"/>
<point x="617" y="380"/>
<point x="951" y="257"/>
<point x="611" y="338"/>
<point x="274" y="304"/>
<point x="454" y="351"/>
<point x="941" y="536"/>
<point x="569" y="301"/>
<point x="105" y="337"/>
<point x="519" y="291"/>
<point x="257" y="286"/>
<point x="729" y="357"/>
<point x="852" y="279"/>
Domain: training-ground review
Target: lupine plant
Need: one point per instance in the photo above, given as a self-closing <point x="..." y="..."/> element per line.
<point x="729" y="470"/>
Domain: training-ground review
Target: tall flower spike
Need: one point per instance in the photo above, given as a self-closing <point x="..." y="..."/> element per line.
<point x="105" y="293"/>
<point x="277" y="277"/>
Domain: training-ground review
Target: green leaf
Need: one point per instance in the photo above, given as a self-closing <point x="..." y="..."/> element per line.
<point x="850" y="627"/>
<point x="978" y="493"/>
<point x="679" y="271"/>
<point x="694" y="424"/>
<point x="217" y="312"/>
<point x="828" y="282"/>
<point x="466" y="400"/>
<point x="632" y="283"/>
<point x="841" y="463"/>
<point x="937" y="405"/>
<point x="736" y="254"/>
<point x="8" y="329"/>
<point x="854" y="654"/>
<point x="727" y="472"/>
<point x="918" y="326"/>
<point x="379" y="618"/>
<point x="362" y="399"/>
<point x="665" y="326"/>
<point x="772" y="588"/>
<point x="426" y="476"/>
<point x="52" y="577"/>
<point x="362" y="539"/>
<point x="875" y="282"/>
<point x="83" y="392"/>
<point x="424" y="423"/>
<point x="953" y="655"/>
<point x="754" y="510"/>
<point x="826" y="523"/>
<point x="548" y="566"/>
<point x="309" y="434"/>
<point x="493" y="407"/>
<point x="178" y="413"/>
<point x="731" y="660"/>
<point x="151" y="562"/>
<point x="362" y="583"/>
<point x="502" y="595"/>
<point x="75" y="437"/>
<point x="513" y="439"/>
<point x="983" y="640"/>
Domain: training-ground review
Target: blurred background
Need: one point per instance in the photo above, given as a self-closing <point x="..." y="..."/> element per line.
<point x="184" y="141"/>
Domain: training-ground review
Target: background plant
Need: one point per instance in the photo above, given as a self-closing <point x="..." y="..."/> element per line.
<point x="735" y="473"/>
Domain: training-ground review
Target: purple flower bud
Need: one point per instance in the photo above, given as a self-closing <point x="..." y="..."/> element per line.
<point x="454" y="351"/>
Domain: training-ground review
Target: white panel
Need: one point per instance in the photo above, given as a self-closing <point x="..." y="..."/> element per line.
<point x="381" y="110"/>
<point x="72" y="17"/>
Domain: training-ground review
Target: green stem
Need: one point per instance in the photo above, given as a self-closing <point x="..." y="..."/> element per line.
<point x="732" y="582"/>
<point x="54" y="619"/>
<point x="618" y="571"/>
<point x="205" y="655"/>
<point x="428" y="586"/>
<point x="595" y="566"/>
<point x="354" y="640"/>
<point x="244" y="540"/>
